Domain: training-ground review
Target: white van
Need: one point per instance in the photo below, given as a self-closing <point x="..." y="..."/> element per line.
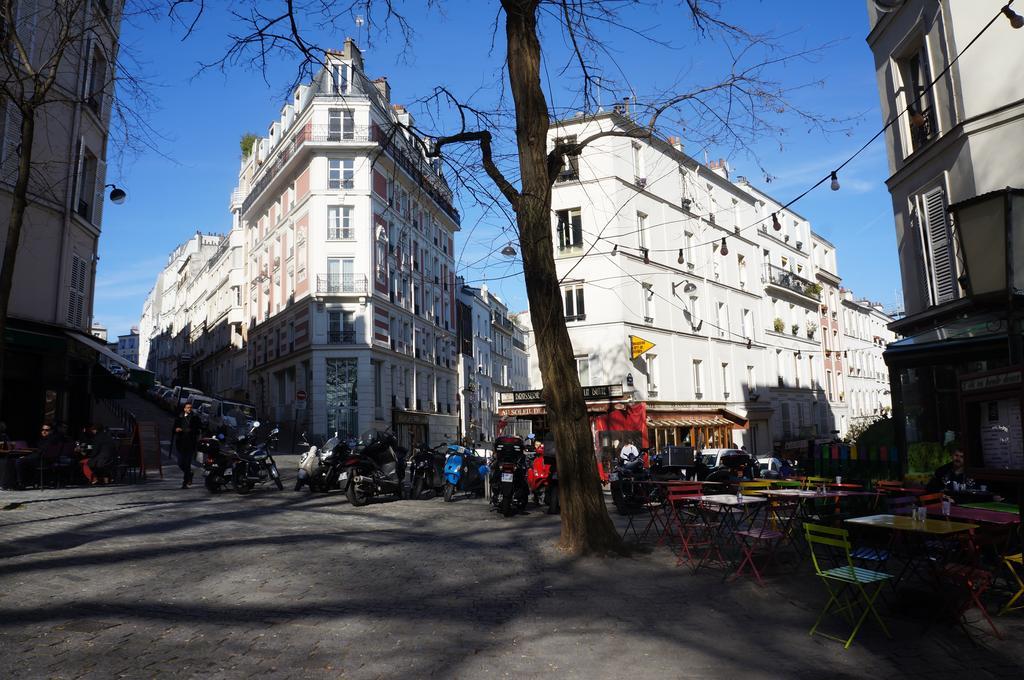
<point x="179" y="395"/>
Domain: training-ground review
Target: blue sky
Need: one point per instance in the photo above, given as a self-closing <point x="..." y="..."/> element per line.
<point x="199" y="119"/>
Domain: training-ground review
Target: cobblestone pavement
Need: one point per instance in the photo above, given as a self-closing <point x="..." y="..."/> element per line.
<point x="148" y="580"/>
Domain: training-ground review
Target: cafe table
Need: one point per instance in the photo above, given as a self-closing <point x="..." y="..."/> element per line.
<point x="654" y="492"/>
<point x="994" y="506"/>
<point x="918" y="533"/>
<point x="972" y="514"/>
<point x="722" y="514"/>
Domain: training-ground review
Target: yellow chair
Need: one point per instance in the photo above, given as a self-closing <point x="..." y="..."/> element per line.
<point x="849" y="587"/>
<point x="1015" y="571"/>
<point x="815" y="482"/>
<point x="761" y="485"/>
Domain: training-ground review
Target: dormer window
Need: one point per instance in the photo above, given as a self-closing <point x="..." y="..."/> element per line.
<point x="339" y="78"/>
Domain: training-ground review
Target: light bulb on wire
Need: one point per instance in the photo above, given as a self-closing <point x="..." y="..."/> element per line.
<point x="1016" y="20"/>
<point x="725" y="248"/>
<point x="775" y="222"/>
<point x="835" y="181"/>
<point x="681" y="259"/>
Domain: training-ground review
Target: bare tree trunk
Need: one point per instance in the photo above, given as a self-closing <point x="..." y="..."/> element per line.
<point x="19" y="201"/>
<point x="586" y="526"/>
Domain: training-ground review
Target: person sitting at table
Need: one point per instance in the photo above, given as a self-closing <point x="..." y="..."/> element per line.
<point x="955" y="471"/>
<point x="99" y="454"/>
<point x="48" y="449"/>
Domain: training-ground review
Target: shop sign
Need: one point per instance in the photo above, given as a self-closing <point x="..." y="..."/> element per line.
<point x="406" y="418"/>
<point x="536" y="396"/>
<point x="988" y="382"/>
<point x="638" y="346"/>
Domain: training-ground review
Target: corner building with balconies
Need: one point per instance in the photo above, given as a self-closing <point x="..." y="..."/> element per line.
<point x="350" y="285"/>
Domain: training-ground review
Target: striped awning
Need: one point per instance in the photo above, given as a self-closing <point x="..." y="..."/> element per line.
<point x="688" y="420"/>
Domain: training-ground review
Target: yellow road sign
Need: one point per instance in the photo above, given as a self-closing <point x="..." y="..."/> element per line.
<point x="638" y="346"/>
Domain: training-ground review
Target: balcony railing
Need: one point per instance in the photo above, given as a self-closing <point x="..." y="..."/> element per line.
<point x="787" y="279"/>
<point x="345" y="336"/>
<point x="340" y="284"/>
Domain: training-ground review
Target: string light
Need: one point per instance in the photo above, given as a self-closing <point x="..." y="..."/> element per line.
<point x="749" y="343"/>
<point x="916" y="117"/>
<point x="1016" y="20"/>
<point x="508" y="250"/>
<point x="835" y="181"/>
<point x="725" y="248"/>
<point x="681" y="259"/>
<point x="775" y="222"/>
<point x="615" y="249"/>
<point x="647" y="256"/>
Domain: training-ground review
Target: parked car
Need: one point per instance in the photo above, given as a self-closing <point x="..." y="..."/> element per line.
<point x="727" y="464"/>
<point x="164" y="397"/>
<point x="180" y="394"/>
<point x="219" y="415"/>
<point x="713" y="457"/>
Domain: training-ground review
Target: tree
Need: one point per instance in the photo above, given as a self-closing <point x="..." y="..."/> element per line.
<point x="730" y="109"/>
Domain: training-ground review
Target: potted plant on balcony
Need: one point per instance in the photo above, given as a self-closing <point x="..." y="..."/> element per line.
<point x="795" y="328"/>
<point x="780" y="325"/>
<point x="813" y="290"/>
<point x="810" y="330"/>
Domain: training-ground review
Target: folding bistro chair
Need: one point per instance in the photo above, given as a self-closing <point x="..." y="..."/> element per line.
<point x="761" y="538"/>
<point x="1015" y="563"/>
<point x="851" y="589"/>
<point x="683" y="523"/>
<point x="969" y="584"/>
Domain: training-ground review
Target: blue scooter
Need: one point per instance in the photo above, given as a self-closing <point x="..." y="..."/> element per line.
<point x="464" y="471"/>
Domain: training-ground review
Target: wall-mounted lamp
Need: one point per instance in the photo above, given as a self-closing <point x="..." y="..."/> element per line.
<point x="117" y="194"/>
<point x="629" y="380"/>
<point x="688" y="287"/>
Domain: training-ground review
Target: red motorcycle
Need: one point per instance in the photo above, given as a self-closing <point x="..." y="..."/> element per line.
<point x="542" y="478"/>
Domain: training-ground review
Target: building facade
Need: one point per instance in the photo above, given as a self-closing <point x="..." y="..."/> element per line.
<point x="867" y="334"/>
<point x="128" y="345"/>
<point x="711" y="309"/>
<point x="47" y="361"/>
<point x="349" y="290"/>
<point x="956" y="374"/>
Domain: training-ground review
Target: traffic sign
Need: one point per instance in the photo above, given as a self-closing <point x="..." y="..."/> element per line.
<point x="638" y="346"/>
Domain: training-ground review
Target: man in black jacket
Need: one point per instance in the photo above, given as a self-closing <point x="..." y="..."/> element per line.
<point x="48" y="450"/>
<point x="186" y="436"/>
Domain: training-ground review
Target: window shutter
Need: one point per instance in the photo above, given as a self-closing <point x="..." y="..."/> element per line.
<point x="76" y="291"/>
<point x="940" y="250"/>
<point x="11" y="142"/>
<point x="97" y="204"/>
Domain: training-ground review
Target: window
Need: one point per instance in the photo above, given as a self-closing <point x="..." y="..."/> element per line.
<point x="340" y="173"/>
<point x="751" y="380"/>
<point x="340" y="124"/>
<point x="786" y="424"/>
<point x="76" y="292"/>
<point x="698" y="379"/>
<point x="638" y="163"/>
<point x="723" y="320"/>
<point x="742" y="263"/>
<point x="648" y="302"/>
<point x="96" y="81"/>
<point x="574" y="307"/>
<point x="746" y="329"/>
<point x="341" y="327"/>
<point x="916" y="76"/>
<point x="570" y="162"/>
<point x="687" y="246"/>
<point x="87" y="184"/>
<point x="641" y="229"/>
<point x="695" y="322"/>
<point x="340" y="275"/>
<point x="652" y="374"/>
<point x="796" y="370"/>
<point x="339" y="78"/>
<point x="339" y="222"/>
<point x="937" y="242"/>
<point x="725" y="381"/>
<point x="570" y="228"/>
<point x="583" y="369"/>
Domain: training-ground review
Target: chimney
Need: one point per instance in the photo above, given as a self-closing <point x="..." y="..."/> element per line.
<point x="352" y="53"/>
<point x="720" y="167"/>
<point x="382" y="86"/>
<point x="677" y="144"/>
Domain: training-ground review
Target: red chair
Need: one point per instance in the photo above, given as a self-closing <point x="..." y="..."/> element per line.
<point x="930" y="500"/>
<point x="760" y="541"/>
<point x="683" y="524"/>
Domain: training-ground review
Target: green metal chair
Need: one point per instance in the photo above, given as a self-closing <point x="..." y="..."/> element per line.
<point x="852" y="590"/>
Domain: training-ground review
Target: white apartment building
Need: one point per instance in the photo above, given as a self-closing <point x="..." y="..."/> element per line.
<point x="350" y="287"/>
<point x="128" y="345"/>
<point x="738" y="296"/>
<point x="867" y="334"/>
<point x="51" y="303"/>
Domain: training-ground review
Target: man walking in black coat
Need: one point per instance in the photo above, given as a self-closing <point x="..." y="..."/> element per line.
<point x="186" y="435"/>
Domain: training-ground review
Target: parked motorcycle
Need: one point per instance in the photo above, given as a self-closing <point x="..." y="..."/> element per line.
<point x="542" y="478"/>
<point x="427" y="470"/>
<point x="508" y="480"/>
<point x="217" y="462"/>
<point x="464" y="471"/>
<point x="253" y="462"/>
<point x="626" y="493"/>
<point x="373" y="468"/>
<point x="321" y="466"/>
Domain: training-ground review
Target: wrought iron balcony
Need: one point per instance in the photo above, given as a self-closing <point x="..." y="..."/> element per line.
<point x="345" y="336"/>
<point x="786" y="279"/>
<point x="341" y="284"/>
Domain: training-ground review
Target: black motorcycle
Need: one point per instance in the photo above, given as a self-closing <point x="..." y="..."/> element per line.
<point x="509" y="490"/>
<point x="253" y="462"/>
<point x="218" y="462"/>
<point x="374" y="467"/>
<point x="321" y="466"/>
<point x="627" y="493"/>
<point x="427" y="470"/>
